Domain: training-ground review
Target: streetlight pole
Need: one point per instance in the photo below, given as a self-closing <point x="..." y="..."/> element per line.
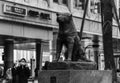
<point x="83" y="20"/>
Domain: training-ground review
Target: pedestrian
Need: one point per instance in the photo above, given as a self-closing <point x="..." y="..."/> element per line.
<point x="9" y="75"/>
<point x="14" y="74"/>
<point x="23" y="71"/>
<point x="1" y="71"/>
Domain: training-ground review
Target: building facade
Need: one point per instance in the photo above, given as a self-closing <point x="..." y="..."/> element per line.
<point x="31" y="25"/>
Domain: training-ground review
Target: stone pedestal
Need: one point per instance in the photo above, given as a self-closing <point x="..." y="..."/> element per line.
<point x="75" y="76"/>
<point x="70" y="65"/>
<point x="73" y="72"/>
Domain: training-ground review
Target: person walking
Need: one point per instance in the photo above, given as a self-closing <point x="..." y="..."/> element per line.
<point x="22" y="71"/>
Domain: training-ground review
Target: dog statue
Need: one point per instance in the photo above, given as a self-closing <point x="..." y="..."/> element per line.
<point x="68" y="36"/>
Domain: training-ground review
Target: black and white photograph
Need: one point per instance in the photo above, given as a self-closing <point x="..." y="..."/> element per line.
<point x="59" y="41"/>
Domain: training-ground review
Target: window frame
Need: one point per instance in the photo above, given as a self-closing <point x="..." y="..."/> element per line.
<point x="61" y="2"/>
<point x="77" y="4"/>
<point x="96" y="7"/>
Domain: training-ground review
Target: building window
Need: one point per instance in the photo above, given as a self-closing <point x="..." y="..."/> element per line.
<point x="61" y="2"/>
<point x="79" y="4"/>
<point x="65" y="2"/>
<point x="47" y="2"/>
<point x="56" y="1"/>
<point x="95" y="6"/>
<point x="82" y="4"/>
<point x="75" y="3"/>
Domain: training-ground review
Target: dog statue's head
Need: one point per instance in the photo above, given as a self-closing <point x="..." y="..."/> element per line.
<point x="64" y="17"/>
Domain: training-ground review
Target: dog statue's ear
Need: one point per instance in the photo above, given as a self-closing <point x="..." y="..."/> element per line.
<point x="57" y="14"/>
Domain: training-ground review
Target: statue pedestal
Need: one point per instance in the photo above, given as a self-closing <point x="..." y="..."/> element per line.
<point x="71" y="65"/>
<point x="75" y="76"/>
<point x="73" y="72"/>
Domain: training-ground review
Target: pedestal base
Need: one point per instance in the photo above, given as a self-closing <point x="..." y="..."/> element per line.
<point x="70" y="65"/>
<point x="75" y="76"/>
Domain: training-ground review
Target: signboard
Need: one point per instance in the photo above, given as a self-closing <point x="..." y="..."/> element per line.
<point x="9" y="9"/>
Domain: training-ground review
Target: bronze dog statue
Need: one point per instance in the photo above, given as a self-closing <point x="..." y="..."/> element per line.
<point x="68" y="36"/>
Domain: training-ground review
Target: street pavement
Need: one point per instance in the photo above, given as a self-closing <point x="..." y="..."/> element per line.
<point x="33" y="81"/>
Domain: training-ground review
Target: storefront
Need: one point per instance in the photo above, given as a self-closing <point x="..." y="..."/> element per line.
<point x="24" y="29"/>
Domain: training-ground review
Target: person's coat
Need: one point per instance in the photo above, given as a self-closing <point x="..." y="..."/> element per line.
<point x="23" y="73"/>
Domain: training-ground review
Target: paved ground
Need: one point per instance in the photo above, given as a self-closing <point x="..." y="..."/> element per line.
<point x="36" y="81"/>
<point x="33" y="81"/>
<point x="30" y="81"/>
